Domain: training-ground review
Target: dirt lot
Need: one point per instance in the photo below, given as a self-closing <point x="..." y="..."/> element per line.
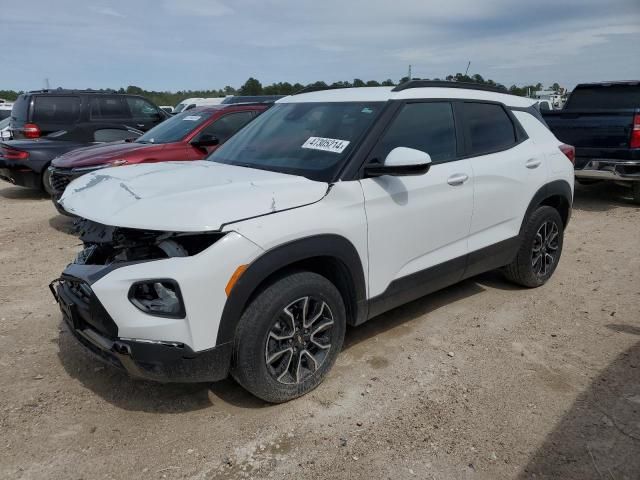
<point x="480" y="381"/>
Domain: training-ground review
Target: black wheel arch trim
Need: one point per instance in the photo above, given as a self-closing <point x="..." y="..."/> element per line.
<point x="286" y="255"/>
<point x="555" y="188"/>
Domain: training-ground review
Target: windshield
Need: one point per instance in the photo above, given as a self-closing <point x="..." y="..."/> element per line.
<point x="175" y="128"/>
<point x="307" y="139"/>
<point x="5" y="113"/>
<point x="179" y="107"/>
<point x="4" y="123"/>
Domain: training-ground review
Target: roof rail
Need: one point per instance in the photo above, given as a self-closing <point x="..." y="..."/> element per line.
<point x="71" y="90"/>
<point x="446" y="84"/>
<point x="243" y="104"/>
<point x="316" y="88"/>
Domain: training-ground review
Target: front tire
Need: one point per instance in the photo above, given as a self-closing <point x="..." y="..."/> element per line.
<point x="289" y="337"/>
<point x="46" y="181"/>
<point x="635" y="189"/>
<point x="587" y="181"/>
<point x="540" y="249"/>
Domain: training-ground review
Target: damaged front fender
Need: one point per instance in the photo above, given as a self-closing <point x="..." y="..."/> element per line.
<point x="107" y="245"/>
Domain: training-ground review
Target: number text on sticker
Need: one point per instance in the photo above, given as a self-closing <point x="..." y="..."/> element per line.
<point x="326" y="144"/>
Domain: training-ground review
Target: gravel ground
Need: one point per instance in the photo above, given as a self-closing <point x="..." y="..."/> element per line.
<point x="480" y="381"/>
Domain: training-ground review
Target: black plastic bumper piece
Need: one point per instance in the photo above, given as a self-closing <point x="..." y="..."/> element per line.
<point x="148" y="359"/>
<point x="23" y="177"/>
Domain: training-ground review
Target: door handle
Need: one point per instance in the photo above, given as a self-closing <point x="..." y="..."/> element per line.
<point x="457" y="179"/>
<point x="140" y="124"/>
<point x="533" y="163"/>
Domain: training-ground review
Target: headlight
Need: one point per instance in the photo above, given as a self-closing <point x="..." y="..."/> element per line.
<point x="161" y="298"/>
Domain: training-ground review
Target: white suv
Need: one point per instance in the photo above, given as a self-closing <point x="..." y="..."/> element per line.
<point x="329" y="209"/>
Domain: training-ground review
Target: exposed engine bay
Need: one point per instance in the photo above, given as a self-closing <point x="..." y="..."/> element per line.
<point x="106" y="245"/>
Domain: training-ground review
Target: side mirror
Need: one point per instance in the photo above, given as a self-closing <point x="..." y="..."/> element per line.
<point x="205" y="140"/>
<point x="401" y="161"/>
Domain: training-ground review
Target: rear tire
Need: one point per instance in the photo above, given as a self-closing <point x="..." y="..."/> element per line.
<point x="540" y="249"/>
<point x="289" y="336"/>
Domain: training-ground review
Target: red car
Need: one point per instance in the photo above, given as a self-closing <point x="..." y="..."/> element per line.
<point x="190" y="135"/>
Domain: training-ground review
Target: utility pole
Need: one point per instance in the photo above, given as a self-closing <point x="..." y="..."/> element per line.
<point x="409" y="74"/>
<point x="467" y="70"/>
<point x="46" y="83"/>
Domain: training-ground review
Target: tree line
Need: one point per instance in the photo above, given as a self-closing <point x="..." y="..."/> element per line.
<point x="254" y="87"/>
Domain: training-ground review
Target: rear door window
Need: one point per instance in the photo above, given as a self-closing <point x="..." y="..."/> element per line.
<point x="610" y="97"/>
<point x="56" y="109"/>
<point x="108" y="108"/>
<point x="489" y="128"/>
<point x="428" y="127"/>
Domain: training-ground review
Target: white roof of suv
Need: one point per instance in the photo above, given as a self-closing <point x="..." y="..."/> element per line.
<point x="382" y="94"/>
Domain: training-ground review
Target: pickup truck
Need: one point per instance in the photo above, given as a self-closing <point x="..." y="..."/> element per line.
<point x="602" y="122"/>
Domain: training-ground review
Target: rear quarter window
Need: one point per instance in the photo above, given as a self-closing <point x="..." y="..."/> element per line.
<point x="54" y="109"/>
<point x="489" y="128"/>
<point x="105" y="108"/>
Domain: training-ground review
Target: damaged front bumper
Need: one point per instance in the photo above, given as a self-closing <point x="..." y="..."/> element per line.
<point x="151" y="302"/>
<point x="154" y="360"/>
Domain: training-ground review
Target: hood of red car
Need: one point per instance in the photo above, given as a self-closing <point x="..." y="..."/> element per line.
<point x="102" y="154"/>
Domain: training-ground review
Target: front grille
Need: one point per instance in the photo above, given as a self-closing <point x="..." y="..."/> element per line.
<point x="59" y="182"/>
<point x="81" y="290"/>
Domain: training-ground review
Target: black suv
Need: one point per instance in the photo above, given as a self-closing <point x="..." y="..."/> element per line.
<point x="42" y="112"/>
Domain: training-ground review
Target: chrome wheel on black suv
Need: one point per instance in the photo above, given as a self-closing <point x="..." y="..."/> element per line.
<point x="289" y="337"/>
<point x="540" y="249"/>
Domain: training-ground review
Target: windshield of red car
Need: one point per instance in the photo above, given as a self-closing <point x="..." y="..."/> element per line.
<point x="175" y="128"/>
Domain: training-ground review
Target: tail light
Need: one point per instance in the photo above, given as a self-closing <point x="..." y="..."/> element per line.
<point x="9" y="153"/>
<point x="31" y="130"/>
<point x="635" y="132"/>
<point x="569" y="152"/>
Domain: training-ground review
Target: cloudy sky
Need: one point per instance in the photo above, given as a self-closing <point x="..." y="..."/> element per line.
<point x="191" y="44"/>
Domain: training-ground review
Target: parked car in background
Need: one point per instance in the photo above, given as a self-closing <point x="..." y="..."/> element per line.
<point x="188" y="135"/>
<point x="5" y="110"/>
<point x="544" y="105"/>
<point x="189" y="103"/>
<point x="38" y="113"/>
<point x="25" y="162"/>
<point x="250" y="98"/>
<point x="602" y="121"/>
<point x="5" y="132"/>
<point x="329" y="209"/>
<point x="167" y="108"/>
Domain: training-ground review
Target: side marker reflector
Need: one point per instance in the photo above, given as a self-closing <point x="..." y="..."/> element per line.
<point x="234" y="278"/>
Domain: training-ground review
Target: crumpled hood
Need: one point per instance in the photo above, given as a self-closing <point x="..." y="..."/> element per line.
<point x="185" y="196"/>
<point x="100" y="154"/>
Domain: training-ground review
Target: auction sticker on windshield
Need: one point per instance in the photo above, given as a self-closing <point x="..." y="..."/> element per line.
<point x="326" y="144"/>
<point x="192" y="118"/>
